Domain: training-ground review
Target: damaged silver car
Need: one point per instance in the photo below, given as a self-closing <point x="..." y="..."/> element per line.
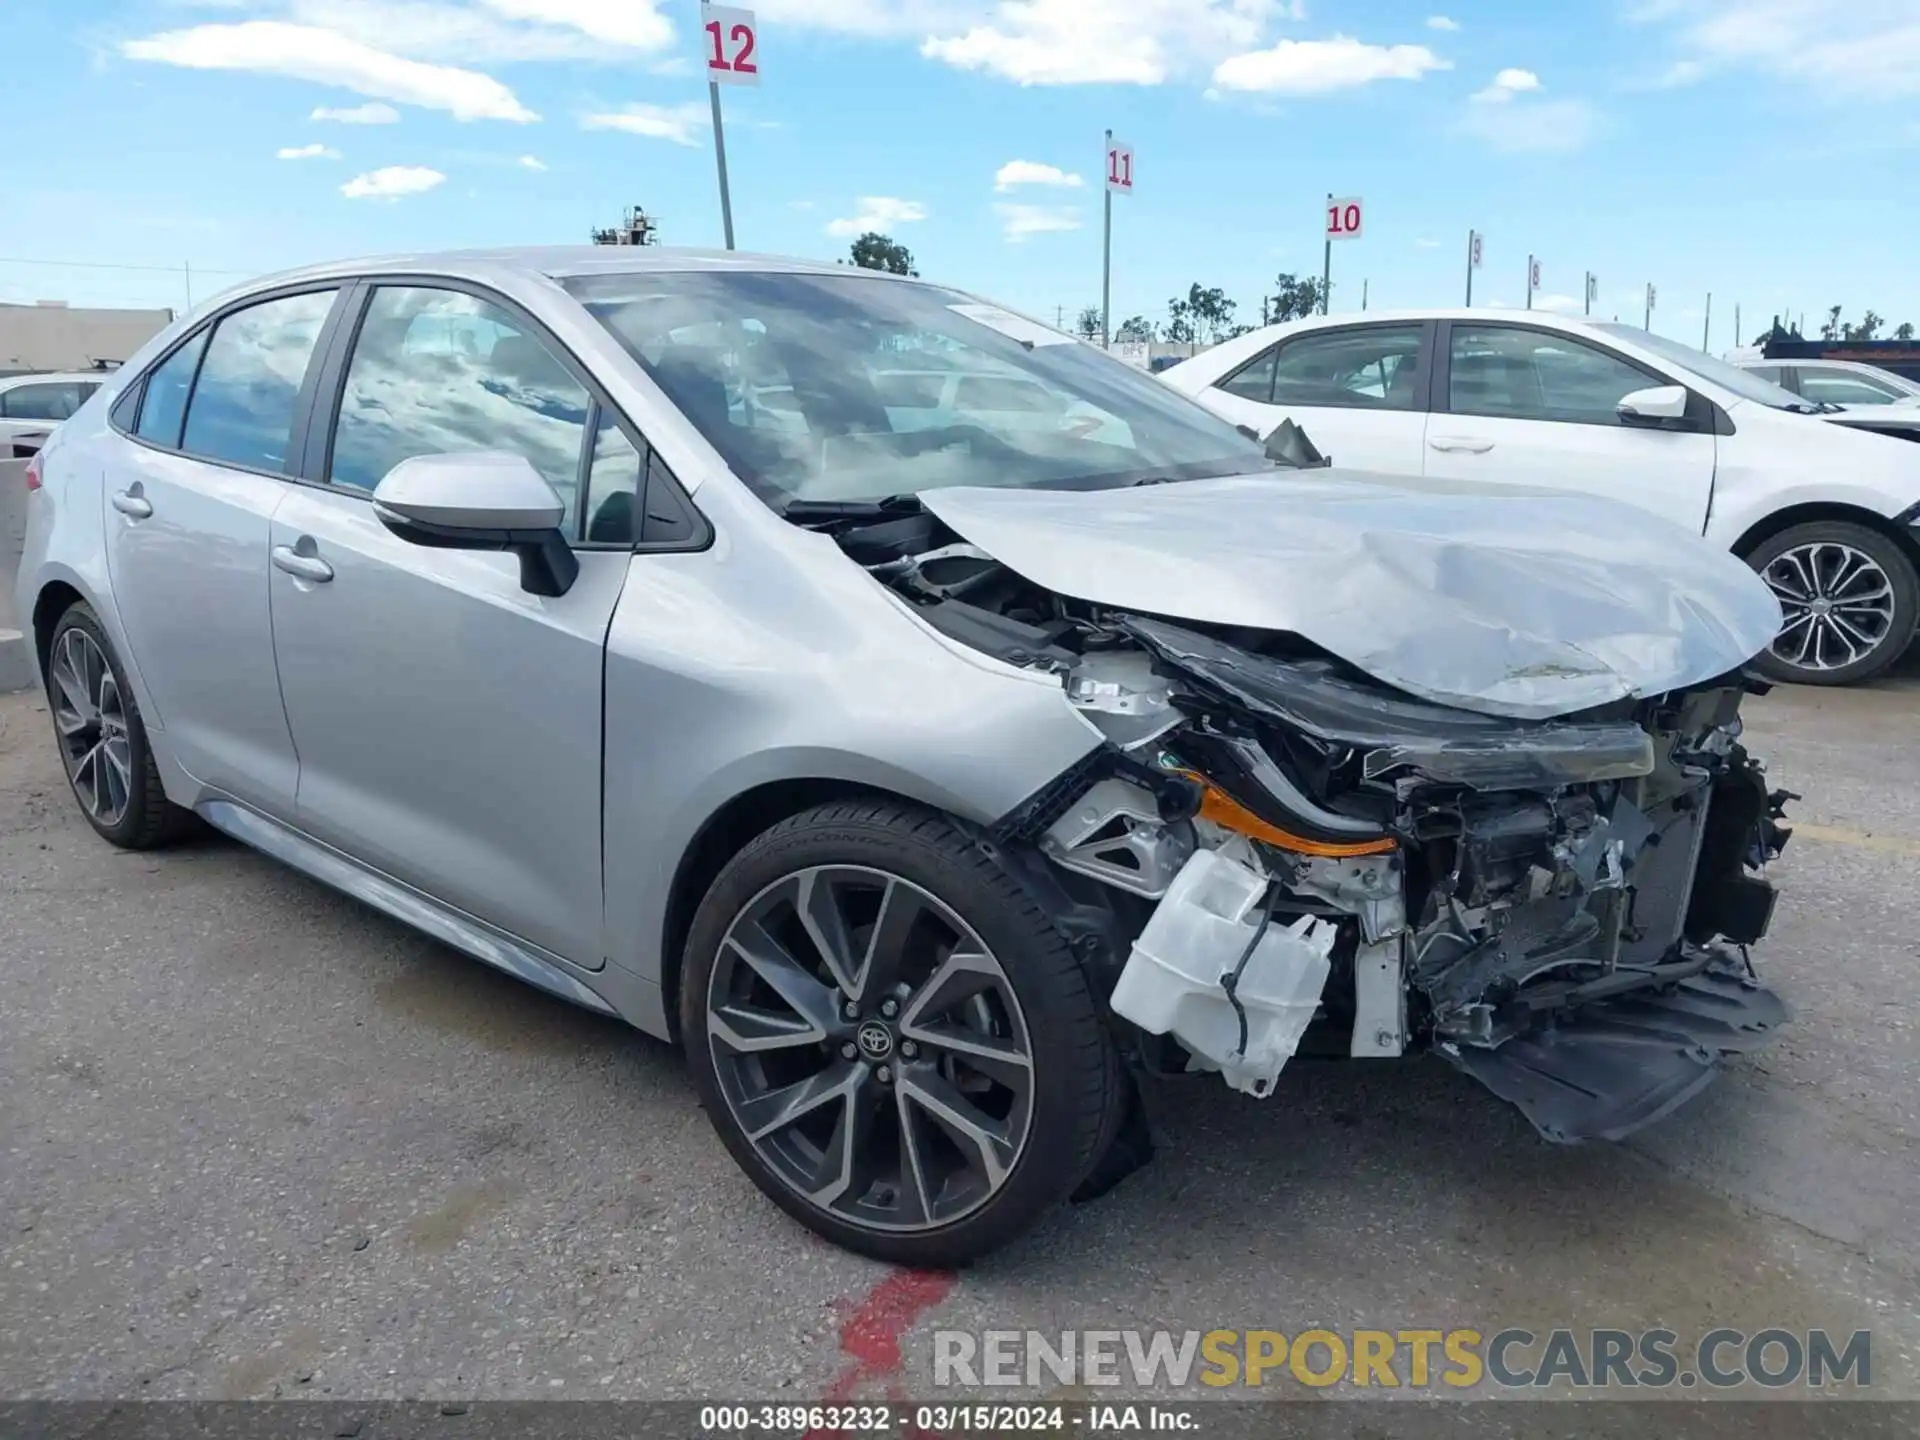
<point x="935" y="725"/>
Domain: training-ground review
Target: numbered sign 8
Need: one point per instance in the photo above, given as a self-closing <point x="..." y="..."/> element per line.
<point x="1120" y="167"/>
<point x="733" y="45"/>
<point x="1533" y="276"/>
<point x="1343" y="219"/>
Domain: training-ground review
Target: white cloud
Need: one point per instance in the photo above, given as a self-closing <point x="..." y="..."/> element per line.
<point x="324" y="57"/>
<point x="392" y="182"/>
<point x="1032" y="172"/>
<point x="635" y="23"/>
<point x="483" y="32"/>
<point x="1442" y="22"/>
<point x="1506" y="85"/>
<point x="678" y="123"/>
<point x="1424" y="243"/>
<point x="1536" y="127"/>
<point x="1094" y="42"/>
<point x="531" y="162"/>
<point x="877" y="212"/>
<point x="372" y="113"/>
<point x="307" y="152"/>
<point x="1866" y="49"/>
<point x="1317" y="67"/>
<point x="1019" y="222"/>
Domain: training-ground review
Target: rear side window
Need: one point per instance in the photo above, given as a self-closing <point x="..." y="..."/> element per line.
<point x="1374" y="369"/>
<point x="50" y="400"/>
<point x="243" y="404"/>
<point x="164" y="404"/>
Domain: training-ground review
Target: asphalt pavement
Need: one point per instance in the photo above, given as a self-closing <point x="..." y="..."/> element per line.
<point x="256" y="1141"/>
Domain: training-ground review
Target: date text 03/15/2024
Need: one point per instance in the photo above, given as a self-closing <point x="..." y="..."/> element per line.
<point x="718" y="1421"/>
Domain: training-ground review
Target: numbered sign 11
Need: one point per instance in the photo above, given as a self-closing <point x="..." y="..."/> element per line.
<point x="732" y="45"/>
<point x="1344" y="218"/>
<point x="1119" y="167"/>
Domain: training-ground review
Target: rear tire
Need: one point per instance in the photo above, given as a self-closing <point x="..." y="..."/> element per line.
<point x="1009" y="1044"/>
<point x="1851" y="598"/>
<point x="102" y="739"/>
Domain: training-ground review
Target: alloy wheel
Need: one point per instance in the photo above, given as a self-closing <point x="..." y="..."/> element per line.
<point x="871" y="1048"/>
<point x="90" y="716"/>
<point x="1839" y="605"/>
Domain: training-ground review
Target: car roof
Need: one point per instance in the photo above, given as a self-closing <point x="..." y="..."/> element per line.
<point x="1484" y="315"/>
<point x="41" y="377"/>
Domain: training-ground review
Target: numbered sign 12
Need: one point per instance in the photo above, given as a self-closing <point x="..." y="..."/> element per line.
<point x="1344" y="218"/>
<point x="732" y="44"/>
<point x="1119" y="167"/>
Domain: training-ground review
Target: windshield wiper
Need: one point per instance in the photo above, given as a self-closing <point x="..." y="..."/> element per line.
<point x="803" y="510"/>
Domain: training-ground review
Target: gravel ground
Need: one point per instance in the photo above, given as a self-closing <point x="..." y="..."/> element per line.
<point x="256" y="1140"/>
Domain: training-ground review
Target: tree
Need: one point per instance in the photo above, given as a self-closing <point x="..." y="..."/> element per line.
<point x="1136" y="330"/>
<point x="874" y="251"/>
<point x="1905" y="332"/>
<point x="1831" y="330"/>
<point x="1867" y="329"/>
<point x="1179" y="327"/>
<point x="1088" y="326"/>
<point x="1293" y="298"/>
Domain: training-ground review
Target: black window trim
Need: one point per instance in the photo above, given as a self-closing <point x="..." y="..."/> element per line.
<point x="1704" y="417"/>
<point x="1423" y="390"/>
<point x="118" y="421"/>
<point x="330" y="383"/>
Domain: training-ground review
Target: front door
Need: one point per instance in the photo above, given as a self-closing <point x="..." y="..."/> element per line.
<point x="1358" y="391"/>
<point x="449" y="723"/>
<point x="1538" y="408"/>
<point x="189" y="499"/>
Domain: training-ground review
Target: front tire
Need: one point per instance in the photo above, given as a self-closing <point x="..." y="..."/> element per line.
<point x="1851" y="600"/>
<point x="103" y="741"/>
<point x="892" y="1040"/>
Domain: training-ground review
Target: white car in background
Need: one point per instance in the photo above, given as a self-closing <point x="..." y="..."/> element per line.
<point x="1830" y="517"/>
<point x="31" y="405"/>
<point x="1849" y="393"/>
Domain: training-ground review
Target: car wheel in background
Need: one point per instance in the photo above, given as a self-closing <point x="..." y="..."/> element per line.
<point x="1850" y="597"/>
<point x="891" y="1038"/>
<point x="103" y="743"/>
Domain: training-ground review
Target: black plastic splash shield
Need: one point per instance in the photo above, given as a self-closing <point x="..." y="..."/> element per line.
<point x="1616" y="1066"/>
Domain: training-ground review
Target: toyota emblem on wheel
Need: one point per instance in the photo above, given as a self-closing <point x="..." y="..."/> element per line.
<point x="875" y="1041"/>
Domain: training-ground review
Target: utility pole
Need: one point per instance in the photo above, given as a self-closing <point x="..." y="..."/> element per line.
<point x="1106" y="254"/>
<point x="1588" y="292"/>
<point x="1529" y="282"/>
<point x="1706" y="330"/>
<point x="1473" y="261"/>
<point x="1363" y="293"/>
<point x="1326" y="268"/>
<point x="1736" y="324"/>
<point x="186" y="269"/>
<point x="1647" y="323"/>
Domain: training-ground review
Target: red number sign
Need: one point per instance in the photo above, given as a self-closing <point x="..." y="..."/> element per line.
<point x="1120" y="167"/>
<point x="733" y="41"/>
<point x="1343" y="219"/>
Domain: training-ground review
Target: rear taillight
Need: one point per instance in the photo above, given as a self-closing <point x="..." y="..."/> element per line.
<point x="33" y="473"/>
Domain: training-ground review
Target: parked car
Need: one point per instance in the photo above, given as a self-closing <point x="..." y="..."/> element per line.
<point x="31" y="405"/>
<point x="929" y="785"/>
<point x="1828" y="516"/>
<point x="1835" y="382"/>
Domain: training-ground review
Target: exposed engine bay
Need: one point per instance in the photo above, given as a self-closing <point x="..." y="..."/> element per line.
<point x="1275" y="854"/>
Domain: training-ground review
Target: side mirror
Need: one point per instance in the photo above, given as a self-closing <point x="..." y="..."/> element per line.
<point x="1654" y="405"/>
<point x="486" y="500"/>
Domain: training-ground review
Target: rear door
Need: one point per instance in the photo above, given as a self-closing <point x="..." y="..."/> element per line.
<point x="1518" y="405"/>
<point x="448" y="723"/>
<point x="1359" y="391"/>
<point x="193" y="482"/>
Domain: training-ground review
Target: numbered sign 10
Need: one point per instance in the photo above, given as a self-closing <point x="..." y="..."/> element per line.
<point x="733" y="45"/>
<point x="1119" y="167"/>
<point x="1344" y="219"/>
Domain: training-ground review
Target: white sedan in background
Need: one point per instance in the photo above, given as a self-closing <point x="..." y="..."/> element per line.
<point x="1829" y="516"/>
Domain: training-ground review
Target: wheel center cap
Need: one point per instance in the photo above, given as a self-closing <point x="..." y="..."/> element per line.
<point x="875" y="1040"/>
<point x="1821" y="606"/>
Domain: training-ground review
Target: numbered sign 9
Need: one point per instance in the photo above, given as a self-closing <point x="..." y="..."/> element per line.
<point x="733" y="45"/>
<point x="1343" y="219"/>
<point x="1119" y="167"/>
<point x="1474" y="251"/>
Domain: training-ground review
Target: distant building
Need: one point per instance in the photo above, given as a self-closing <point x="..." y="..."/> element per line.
<point x="636" y="228"/>
<point x="52" y="335"/>
<point x="1902" y="357"/>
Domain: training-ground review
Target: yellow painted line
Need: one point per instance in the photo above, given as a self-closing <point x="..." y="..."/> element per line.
<point x="1835" y="835"/>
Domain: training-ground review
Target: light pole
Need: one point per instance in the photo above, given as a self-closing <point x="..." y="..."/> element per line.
<point x="1326" y="267"/>
<point x="1106" y="253"/>
<point x="1473" y="262"/>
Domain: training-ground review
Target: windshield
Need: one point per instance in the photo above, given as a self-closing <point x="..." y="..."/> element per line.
<point x="841" y="388"/>
<point x="1744" y="383"/>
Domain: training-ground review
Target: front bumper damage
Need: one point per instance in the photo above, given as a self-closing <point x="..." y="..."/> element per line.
<point x="1558" y="908"/>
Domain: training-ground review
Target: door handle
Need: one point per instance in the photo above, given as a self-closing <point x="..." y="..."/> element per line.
<point x="1452" y="444"/>
<point x="302" y="567"/>
<point x="132" y="503"/>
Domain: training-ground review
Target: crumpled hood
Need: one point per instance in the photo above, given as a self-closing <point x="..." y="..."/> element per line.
<point x="1501" y="599"/>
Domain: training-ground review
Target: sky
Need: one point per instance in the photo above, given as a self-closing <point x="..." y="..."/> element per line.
<point x="1758" y="151"/>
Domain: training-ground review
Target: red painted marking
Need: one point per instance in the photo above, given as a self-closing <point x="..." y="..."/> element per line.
<point x="870" y="1333"/>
